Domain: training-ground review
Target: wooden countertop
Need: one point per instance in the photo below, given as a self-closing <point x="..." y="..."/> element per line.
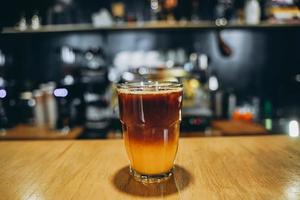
<point x="26" y="132"/>
<point x="237" y="127"/>
<point x="258" y="167"/>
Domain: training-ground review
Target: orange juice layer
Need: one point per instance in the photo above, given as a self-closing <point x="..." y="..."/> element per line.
<point x="153" y="155"/>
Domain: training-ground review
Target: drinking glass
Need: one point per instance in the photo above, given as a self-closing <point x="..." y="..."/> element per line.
<point x="150" y="114"/>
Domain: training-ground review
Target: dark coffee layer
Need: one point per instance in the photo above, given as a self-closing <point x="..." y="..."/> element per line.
<point x="153" y="109"/>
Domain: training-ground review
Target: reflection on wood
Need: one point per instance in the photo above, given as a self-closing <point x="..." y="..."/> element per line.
<point x="125" y="183"/>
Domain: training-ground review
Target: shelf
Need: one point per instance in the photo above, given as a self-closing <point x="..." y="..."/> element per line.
<point x="146" y="26"/>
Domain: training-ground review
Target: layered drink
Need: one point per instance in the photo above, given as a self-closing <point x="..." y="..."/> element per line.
<point x="150" y="113"/>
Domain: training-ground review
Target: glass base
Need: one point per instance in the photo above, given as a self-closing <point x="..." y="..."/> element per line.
<point x="147" y="179"/>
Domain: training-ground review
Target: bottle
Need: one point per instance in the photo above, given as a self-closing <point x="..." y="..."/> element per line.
<point x="50" y="104"/>
<point x="232" y="101"/>
<point x="39" y="109"/>
<point x="267" y="114"/>
<point x="252" y="12"/>
<point x="118" y="11"/>
<point x="26" y="107"/>
<point x="35" y="21"/>
<point x="22" y="24"/>
<point x="156" y="9"/>
<point x="195" y="10"/>
<point x="224" y="12"/>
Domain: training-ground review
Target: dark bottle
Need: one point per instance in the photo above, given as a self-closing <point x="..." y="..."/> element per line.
<point x="3" y="118"/>
<point x="224" y="10"/>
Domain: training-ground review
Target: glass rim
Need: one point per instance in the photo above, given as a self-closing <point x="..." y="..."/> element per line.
<point x="157" y="85"/>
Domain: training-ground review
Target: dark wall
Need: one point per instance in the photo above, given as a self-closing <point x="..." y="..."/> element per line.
<point x="263" y="63"/>
<point x="37" y="56"/>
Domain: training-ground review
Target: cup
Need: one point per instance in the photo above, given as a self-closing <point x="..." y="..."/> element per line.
<point x="150" y="114"/>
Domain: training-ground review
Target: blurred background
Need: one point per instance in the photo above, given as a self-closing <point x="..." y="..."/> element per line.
<point x="60" y="61"/>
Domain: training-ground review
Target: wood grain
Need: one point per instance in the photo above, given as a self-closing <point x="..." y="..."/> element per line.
<point x="26" y="132"/>
<point x="259" y="167"/>
<point x="236" y="127"/>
